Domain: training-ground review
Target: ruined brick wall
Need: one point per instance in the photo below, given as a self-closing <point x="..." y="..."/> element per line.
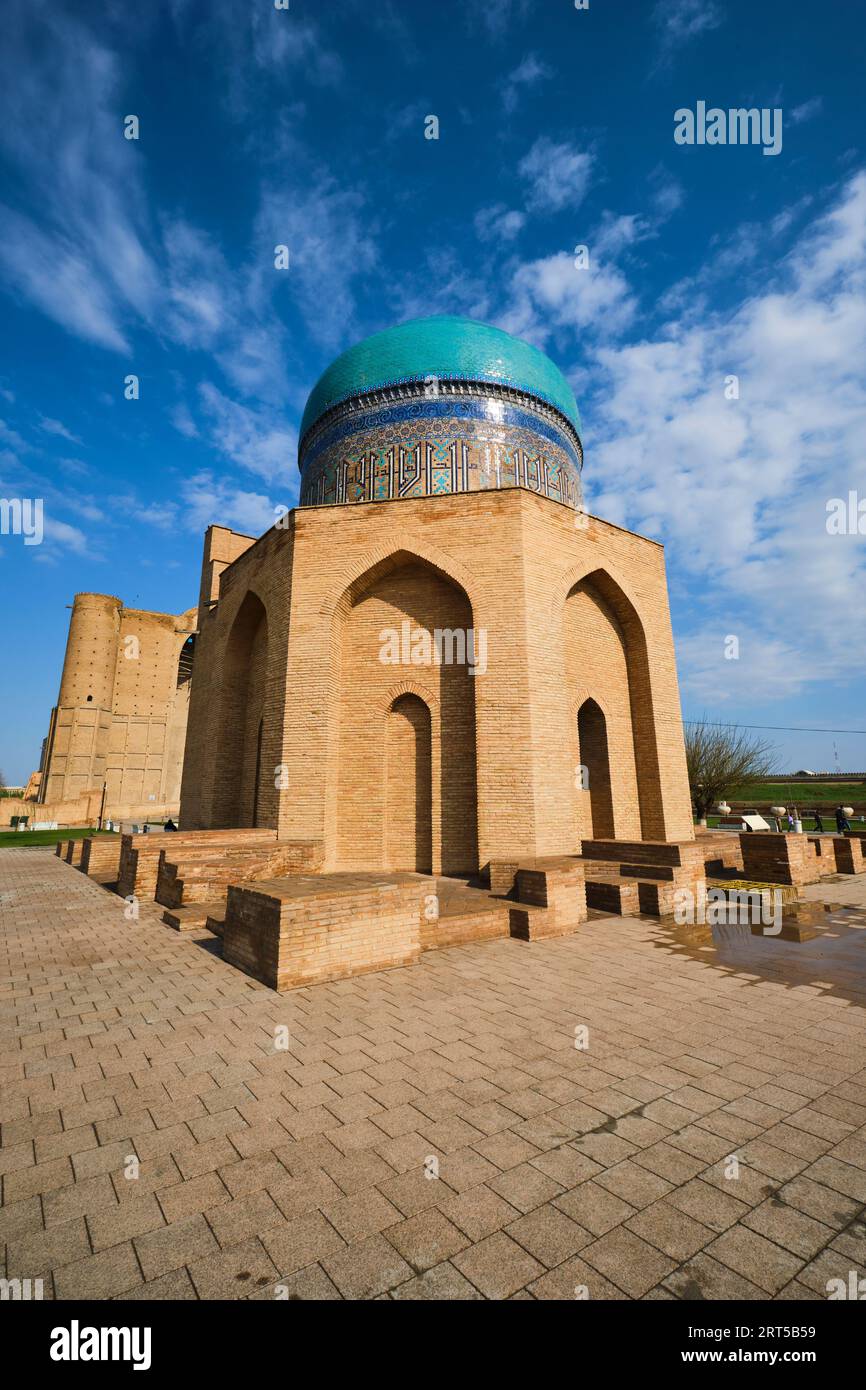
<point x="121" y="714"/>
<point x="507" y="562"/>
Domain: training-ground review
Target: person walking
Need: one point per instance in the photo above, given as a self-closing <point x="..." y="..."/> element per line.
<point x="790" y="821"/>
<point x="842" y="822"/>
<point x="819" y="824"/>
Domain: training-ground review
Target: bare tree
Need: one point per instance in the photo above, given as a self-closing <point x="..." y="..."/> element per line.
<point x="719" y="757"/>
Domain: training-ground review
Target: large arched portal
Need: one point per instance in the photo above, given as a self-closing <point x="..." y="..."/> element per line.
<point x="406" y="723"/>
<point x="610" y="704"/>
<point x="238" y="781"/>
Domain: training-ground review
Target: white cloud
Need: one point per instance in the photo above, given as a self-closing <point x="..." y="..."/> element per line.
<point x="558" y="175"/>
<point x="257" y="439"/>
<point x="332" y="246"/>
<point x="208" y="499"/>
<point x="806" y="111"/>
<point x="553" y="294"/>
<point x="682" y="20"/>
<point x="527" y="74"/>
<point x="57" y="427"/>
<point x="499" y="223"/>
<point x="181" y="418"/>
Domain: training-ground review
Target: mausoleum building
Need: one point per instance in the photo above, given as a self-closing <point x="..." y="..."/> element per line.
<point x="438" y="660"/>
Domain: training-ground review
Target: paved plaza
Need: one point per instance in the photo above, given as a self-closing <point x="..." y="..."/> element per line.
<point x="172" y="1129"/>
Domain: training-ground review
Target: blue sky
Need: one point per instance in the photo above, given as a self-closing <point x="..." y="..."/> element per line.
<point x="305" y="127"/>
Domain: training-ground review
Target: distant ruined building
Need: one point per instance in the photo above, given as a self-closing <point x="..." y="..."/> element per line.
<point x="119" y="725"/>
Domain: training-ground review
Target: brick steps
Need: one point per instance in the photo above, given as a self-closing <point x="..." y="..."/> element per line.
<point x="203" y="874"/>
<point x="139" y="854"/>
<point x="194" y="917"/>
<point x="551" y="894"/>
<point x="465" y="914"/>
<point x="216" y="919"/>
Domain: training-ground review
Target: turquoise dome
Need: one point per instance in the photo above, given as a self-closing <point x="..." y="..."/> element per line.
<point x="446" y="347"/>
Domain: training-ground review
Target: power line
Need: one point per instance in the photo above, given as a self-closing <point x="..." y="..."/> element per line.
<point x="778" y="728"/>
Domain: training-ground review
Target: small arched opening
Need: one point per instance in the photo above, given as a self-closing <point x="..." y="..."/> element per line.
<point x="409" y="786"/>
<point x="595" y="766"/>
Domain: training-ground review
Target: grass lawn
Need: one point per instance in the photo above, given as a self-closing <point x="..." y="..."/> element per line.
<point x="21" y="838"/>
<point x="809" y="793"/>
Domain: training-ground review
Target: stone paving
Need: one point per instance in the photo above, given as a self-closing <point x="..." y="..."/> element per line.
<point x="307" y="1170"/>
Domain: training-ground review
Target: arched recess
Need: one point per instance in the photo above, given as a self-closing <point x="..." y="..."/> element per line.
<point x="595" y="763"/>
<point x="409" y="786"/>
<point x="606" y="659"/>
<point x="242" y="719"/>
<point x="400" y="595"/>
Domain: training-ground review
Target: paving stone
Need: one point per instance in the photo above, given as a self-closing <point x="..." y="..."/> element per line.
<point x="670" y="1230"/>
<point x="413" y="1191"/>
<point x="113" y="1225"/>
<point x="708" y="1204"/>
<point x="426" y="1240"/>
<point x="363" y="1214"/>
<point x="760" y="1261"/>
<point x="574" y="1280"/>
<point x="301" y="1241"/>
<point x="234" y="1273"/>
<point x="549" y="1235"/>
<point x="525" y="1187"/>
<point x="367" y="1269"/>
<point x="310" y="1284"/>
<point x="497" y="1266"/>
<point x="790" y="1228"/>
<point x="478" y="1211"/>
<point x="634" y="1184"/>
<point x="199" y="1194"/>
<point x="443" y="1283"/>
<point x="105" y="1275"/>
<point x="36" y="1254"/>
<point x="170" y="1247"/>
<point x="233" y="1222"/>
<point x="632" y="1264"/>
<point x="594" y="1208"/>
<point x="705" y="1279"/>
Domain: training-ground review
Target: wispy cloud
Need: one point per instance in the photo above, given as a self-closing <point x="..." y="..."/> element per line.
<point x="557" y="175"/>
<point x="806" y="111"/>
<point x="680" y="21"/>
<point x="526" y="75"/>
<point x="257" y="439"/>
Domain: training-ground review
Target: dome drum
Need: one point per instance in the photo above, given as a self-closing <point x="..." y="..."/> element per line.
<point x="438" y="406"/>
<point x="465" y="437"/>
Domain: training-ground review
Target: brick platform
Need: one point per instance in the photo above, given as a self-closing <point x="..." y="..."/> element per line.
<point x="306" y="929"/>
<point x="799" y="859"/>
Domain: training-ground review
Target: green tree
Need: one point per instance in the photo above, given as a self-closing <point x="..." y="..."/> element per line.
<point x="719" y="757"/>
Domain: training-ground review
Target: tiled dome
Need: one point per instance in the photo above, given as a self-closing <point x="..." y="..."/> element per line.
<point x="446" y="348"/>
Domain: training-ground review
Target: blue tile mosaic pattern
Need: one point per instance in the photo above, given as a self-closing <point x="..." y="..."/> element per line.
<point x="432" y="447"/>
<point x="445" y="348"/>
